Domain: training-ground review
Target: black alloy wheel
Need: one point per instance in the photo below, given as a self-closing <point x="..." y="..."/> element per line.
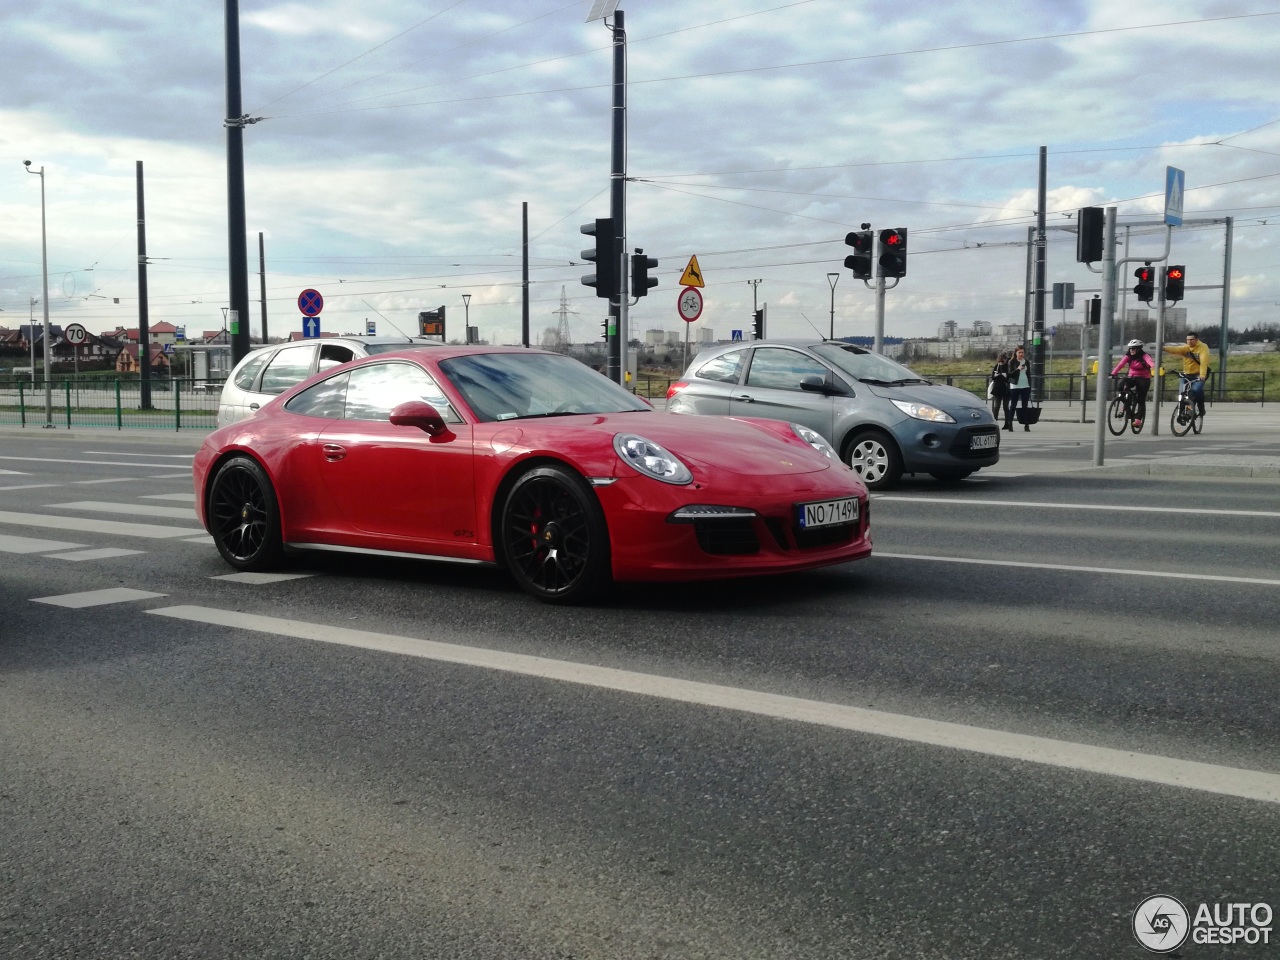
<point x="244" y="516"/>
<point x="554" y="538"/>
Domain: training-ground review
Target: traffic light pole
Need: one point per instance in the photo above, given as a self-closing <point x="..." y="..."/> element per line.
<point x="1159" y="379"/>
<point x="617" y="362"/>
<point x="1037" y="320"/>
<point x="1104" y="335"/>
<point x="878" y="346"/>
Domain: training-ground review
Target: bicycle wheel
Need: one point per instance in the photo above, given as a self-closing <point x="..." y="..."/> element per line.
<point x="1180" y="422"/>
<point x="1136" y="425"/>
<point x="1197" y="421"/>
<point x="1117" y="417"/>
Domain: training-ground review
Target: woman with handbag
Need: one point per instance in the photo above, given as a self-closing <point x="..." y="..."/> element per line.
<point x="998" y="386"/>
<point x="1019" y="387"/>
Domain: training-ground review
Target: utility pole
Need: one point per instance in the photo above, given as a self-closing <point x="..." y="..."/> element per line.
<point x="1037" y="327"/>
<point x="144" y="312"/>
<point x="524" y="281"/>
<point x="832" y="280"/>
<point x="618" y="200"/>
<point x="262" y="284"/>
<point x="1104" y="335"/>
<point x="237" y="245"/>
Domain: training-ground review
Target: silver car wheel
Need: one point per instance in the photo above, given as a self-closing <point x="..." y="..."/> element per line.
<point x="870" y="459"/>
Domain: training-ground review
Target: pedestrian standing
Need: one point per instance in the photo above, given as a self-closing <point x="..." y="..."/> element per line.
<point x="1019" y="387"/>
<point x="998" y="388"/>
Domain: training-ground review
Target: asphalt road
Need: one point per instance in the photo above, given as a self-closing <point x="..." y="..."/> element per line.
<point x="388" y="759"/>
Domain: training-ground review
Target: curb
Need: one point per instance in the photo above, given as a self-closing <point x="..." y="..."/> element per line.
<point x="1203" y="470"/>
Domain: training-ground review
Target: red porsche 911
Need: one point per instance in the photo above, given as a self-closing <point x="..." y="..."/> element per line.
<point x="528" y="460"/>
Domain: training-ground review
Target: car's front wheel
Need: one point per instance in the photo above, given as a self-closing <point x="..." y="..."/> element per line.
<point x="244" y="516"/>
<point x="875" y="458"/>
<point x="554" y="538"/>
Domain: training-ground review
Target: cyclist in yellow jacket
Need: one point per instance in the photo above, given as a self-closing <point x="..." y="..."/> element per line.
<point x="1195" y="363"/>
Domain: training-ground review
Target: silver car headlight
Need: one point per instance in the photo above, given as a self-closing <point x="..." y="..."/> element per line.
<point x="922" y="411"/>
<point x="651" y="459"/>
<point x="816" y="440"/>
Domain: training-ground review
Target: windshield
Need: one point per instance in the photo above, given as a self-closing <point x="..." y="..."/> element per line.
<point x="510" y="386"/>
<point x="864" y="365"/>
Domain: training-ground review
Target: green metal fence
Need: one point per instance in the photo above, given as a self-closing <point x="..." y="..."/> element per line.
<point x="174" y="404"/>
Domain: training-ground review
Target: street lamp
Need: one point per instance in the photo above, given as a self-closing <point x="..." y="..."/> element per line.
<point x="466" y="322"/>
<point x="44" y="259"/>
<point x="833" y="279"/>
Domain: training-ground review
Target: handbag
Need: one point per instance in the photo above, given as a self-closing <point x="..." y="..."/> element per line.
<point x="1028" y="415"/>
<point x="991" y="389"/>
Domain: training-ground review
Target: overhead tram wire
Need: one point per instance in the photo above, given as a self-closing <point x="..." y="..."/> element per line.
<point x="949" y="48"/>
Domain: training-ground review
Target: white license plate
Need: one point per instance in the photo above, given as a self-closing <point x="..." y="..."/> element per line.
<point x="984" y="442"/>
<point x="828" y="513"/>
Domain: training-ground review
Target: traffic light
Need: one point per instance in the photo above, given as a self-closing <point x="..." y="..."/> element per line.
<point x="605" y="279"/>
<point x="1175" y="279"/>
<point x="757" y="325"/>
<point x="1095" y="311"/>
<point x="640" y="279"/>
<point x="1089" y="223"/>
<point x="893" y="252"/>
<point x="1145" y="288"/>
<point x="860" y="260"/>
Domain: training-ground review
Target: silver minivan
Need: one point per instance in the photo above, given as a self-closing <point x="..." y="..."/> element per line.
<point x="881" y="417"/>
<point x="271" y="370"/>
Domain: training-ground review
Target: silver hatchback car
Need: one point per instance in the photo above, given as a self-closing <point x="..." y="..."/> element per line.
<point x="881" y="417"/>
<point x="271" y="370"/>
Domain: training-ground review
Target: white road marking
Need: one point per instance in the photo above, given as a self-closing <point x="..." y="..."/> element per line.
<point x="100" y="463"/>
<point x="96" y="598"/>
<point x="1198" y="511"/>
<point x="260" y="578"/>
<point x="101" y="553"/>
<point x="30" y="486"/>
<point x="1149" y="768"/>
<point x="132" y="509"/>
<point x="181" y="497"/>
<point x="116" y="480"/>
<point x="117" y="453"/>
<point x="88" y="525"/>
<point x="206" y="540"/>
<point x="13" y="473"/>
<point x="1025" y="565"/>
<point x="9" y="544"/>
<point x="172" y="476"/>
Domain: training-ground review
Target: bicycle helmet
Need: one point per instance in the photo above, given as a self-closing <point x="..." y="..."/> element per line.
<point x="1135" y="343"/>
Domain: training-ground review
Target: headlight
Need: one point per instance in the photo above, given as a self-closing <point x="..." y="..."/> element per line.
<point x="651" y="459"/>
<point x="922" y="411"/>
<point x="815" y="440"/>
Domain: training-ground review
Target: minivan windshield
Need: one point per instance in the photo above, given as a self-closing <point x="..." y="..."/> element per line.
<point x="862" y="364"/>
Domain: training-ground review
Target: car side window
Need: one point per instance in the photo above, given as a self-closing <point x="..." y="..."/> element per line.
<point x="326" y="399"/>
<point x="287" y="368"/>
<point x="333" y="354"/>
<point x="375" y="390"/>
<point x="247" y="374"/>
<point x="782" y="369"/>
<point x="725" y="368"/>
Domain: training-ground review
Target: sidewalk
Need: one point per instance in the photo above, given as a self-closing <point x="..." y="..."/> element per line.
<point x="1225" y="425"/>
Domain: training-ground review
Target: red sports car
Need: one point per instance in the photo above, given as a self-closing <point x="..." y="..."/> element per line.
<point x="528" y="460"/>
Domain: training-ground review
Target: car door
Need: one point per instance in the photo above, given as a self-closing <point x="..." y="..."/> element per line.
<point x="709" y="386"/>
<point x="395" y="483"/>
<point x="772" y="389"/>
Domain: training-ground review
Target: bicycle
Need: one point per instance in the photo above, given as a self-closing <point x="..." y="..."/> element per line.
<point x="1185" y="414"/>
<point x="1122" y="413"/>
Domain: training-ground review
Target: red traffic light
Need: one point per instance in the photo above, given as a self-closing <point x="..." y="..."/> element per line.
<point x="1144" y="274"/>
<point x="1174" y="273"/>
<point x="892" y="238"/>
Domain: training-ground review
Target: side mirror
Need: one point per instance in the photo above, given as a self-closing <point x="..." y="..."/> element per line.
<point x="816" y="384"/>
<point x="420" y="414"/>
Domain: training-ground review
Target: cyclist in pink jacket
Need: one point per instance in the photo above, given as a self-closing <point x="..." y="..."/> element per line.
<point x="1141" y="367"/>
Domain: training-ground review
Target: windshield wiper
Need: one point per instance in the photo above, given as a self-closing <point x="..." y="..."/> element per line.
<point x="875" y="383"/>
<point x="905" y="380"/>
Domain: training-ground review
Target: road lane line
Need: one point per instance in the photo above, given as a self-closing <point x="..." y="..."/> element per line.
<point x="1148" y="768"/>
<point x="101" y="553"/>
<point x="97" y="598"/>
<point x="10" y="544"/>
<point x="132" y="509"/>
<point x="1196" y="511"/>
<point x="117" y="453"/>
<point x="1069" y="568"/>
<point x="30" y="486"/>
<point x="100" y="463"/>
<point x="89" y="525"/>
<point x="182" y="497"/>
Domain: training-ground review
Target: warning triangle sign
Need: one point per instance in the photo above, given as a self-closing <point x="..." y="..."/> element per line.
<point x="692" y="276"/>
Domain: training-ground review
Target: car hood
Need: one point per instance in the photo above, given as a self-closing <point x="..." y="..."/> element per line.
<point x="959" y="403"/>
<point x="744" y="447"/>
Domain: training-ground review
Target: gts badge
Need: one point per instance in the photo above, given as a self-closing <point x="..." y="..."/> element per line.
<point x="464" y="534"/>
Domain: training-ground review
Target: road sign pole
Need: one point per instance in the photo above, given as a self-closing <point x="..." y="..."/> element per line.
<point x="1104" y="335"/>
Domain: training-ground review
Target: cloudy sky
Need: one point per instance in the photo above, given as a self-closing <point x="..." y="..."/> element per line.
<point x="399" y="140"/>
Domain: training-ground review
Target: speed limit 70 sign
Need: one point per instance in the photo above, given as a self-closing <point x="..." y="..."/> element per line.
<point x="75" y="334"/>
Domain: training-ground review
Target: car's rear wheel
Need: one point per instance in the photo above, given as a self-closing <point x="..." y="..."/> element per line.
<point x="554" y="538"/>
<point x="244" y="516"/>
<point x="875" y="458"/>
<point x="950" y="476"/>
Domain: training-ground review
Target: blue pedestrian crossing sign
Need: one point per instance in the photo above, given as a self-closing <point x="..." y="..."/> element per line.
<point x="736" y="336"/>
<point x="310" y="327"/>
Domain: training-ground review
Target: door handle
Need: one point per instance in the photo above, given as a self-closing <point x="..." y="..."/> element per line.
<point x="745" y="398"/>
<point x="333" y="452"/>
<point x="253" y="406"/>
